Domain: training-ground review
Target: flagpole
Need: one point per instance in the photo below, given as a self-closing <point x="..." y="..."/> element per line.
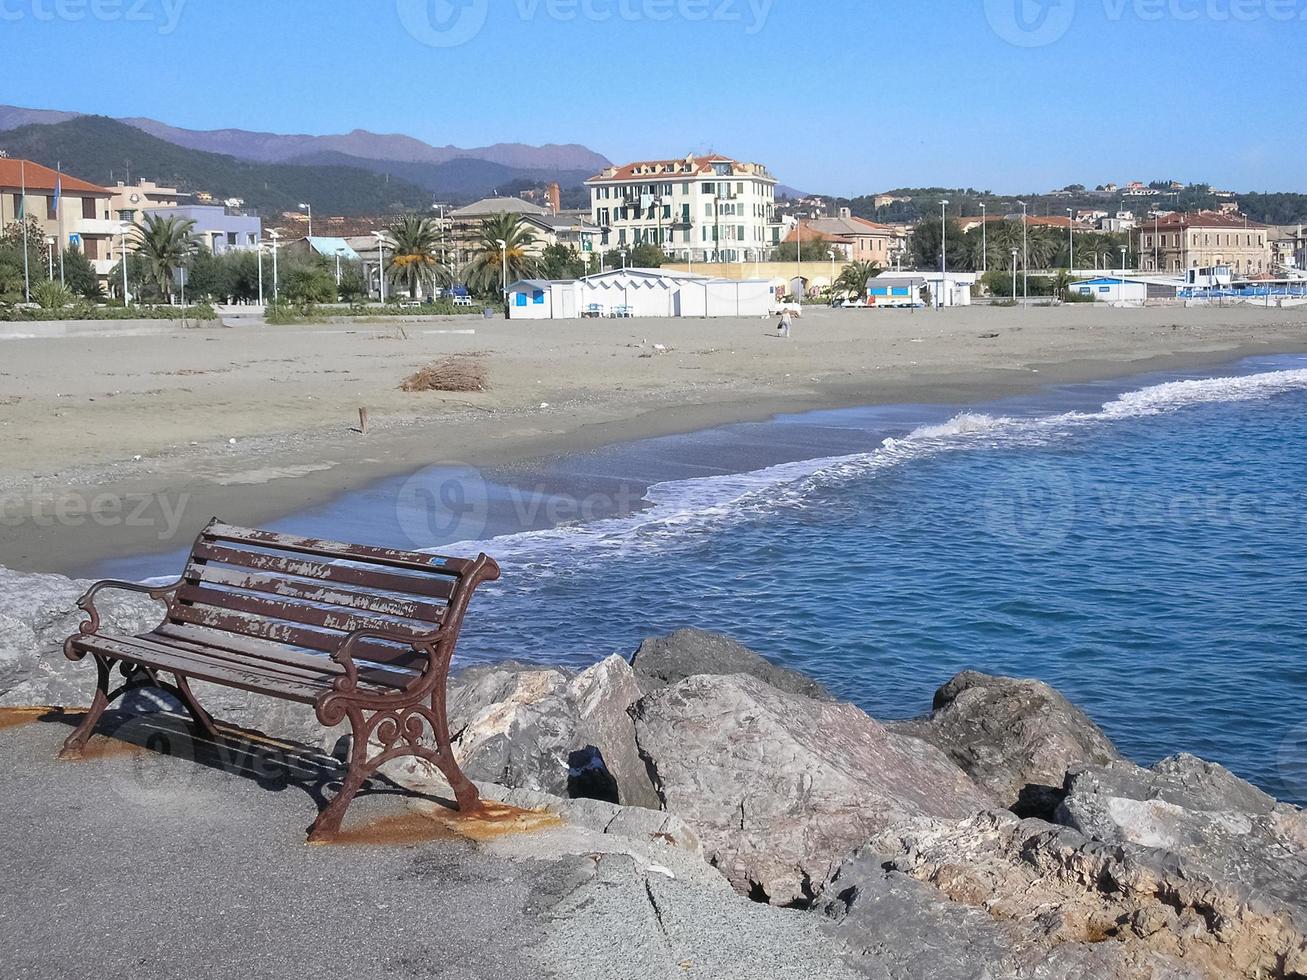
<point x="59" y="218"/>
<point x="27" y="275"/>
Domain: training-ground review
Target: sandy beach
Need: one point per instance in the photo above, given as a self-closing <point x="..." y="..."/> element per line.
<point x="255" y="422"/>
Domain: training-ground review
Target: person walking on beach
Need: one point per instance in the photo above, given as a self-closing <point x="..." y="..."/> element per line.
<point x="783" y="328"/>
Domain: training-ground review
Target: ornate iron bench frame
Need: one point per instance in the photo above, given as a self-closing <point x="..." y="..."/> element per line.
<point x="360" y="636"/>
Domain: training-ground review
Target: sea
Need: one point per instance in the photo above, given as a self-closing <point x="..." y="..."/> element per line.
<point x="1140" y="544"/>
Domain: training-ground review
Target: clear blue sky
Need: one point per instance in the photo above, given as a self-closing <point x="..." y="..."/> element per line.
<point x="839" y="96"/>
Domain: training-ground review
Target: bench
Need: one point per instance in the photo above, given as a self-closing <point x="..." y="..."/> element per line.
<point x="362" y="634"/>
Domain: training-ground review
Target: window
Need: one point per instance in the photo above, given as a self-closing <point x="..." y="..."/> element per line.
<point x="538" y="297"/>
<point x="51" y="208"/>
<point x="710" y="188"/>
<point x="519" y="299"/>
<point x="88" y="208"/>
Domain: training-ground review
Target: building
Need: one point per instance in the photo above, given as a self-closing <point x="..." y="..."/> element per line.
<point x="698" y="209"/>
<point x="640" y="293"/>
<point x="905" y="288"/>
<point x="1204" y="239"/>
<point x="129" y="201"/>
<point x="218" y="229"/>
<point x="72" y="213"/>
<point x="1113" y="289"/>
<point x="853" y="239"/>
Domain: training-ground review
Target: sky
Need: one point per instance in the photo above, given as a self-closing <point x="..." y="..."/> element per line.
<point x="834" y="96"/>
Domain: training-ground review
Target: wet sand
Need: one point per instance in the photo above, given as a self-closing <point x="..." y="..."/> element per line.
<point x="112" y="445"/>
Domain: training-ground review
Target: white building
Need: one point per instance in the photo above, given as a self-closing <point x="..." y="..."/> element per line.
<point x="640" y="293"/>
<point x="699" y="209"/>
<point x="904" y="288"/>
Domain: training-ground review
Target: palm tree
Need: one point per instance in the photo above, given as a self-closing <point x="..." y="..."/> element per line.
<point x="414" y="265"/>
<point x="166" y="244"/>
<point x="853" y="278"/>
<point x="484" y="273"/>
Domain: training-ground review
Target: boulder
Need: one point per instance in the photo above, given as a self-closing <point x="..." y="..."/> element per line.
<point x="1017" y="738"/>
<point x="1216" y="823"/>
<point x="546" y="730"/>
<point x="782" y="787"/>
<point x="1054" y="891"/>
<point x="665" y="660"/>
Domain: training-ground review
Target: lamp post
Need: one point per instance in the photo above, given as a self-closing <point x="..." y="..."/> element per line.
<point x="1071" y="238"/>
<point x="309" y="209"/>
<point x="260" y="251"/>
<point x="503" y="276"/>
<point x="625" y="253"/>
<point x="1025" y="250"/>
<point x="984" y="241"/>
<point x="49" y="255"/>
<point x="276" y="286"/>
<point x="943" y="252"/>
<point x="1120" y="283"/>
<point x="338" y="268"/>
<point x="1014" y="276"/>
<point x="381" y="264"/>
<point x="831" y="253"/>
<point x="124" y="228"/>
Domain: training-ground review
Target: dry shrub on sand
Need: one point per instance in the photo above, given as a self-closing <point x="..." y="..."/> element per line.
<point x="460" y="372"/>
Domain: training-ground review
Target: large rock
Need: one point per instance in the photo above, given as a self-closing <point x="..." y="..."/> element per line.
<point x="1016" y="738"/>
<point x="546" y="730"/>
<point x="1054" y="890"/>
<point x="1218" y="824"/>
<point x="665" y="660"/>
<point x="782" y="787"/>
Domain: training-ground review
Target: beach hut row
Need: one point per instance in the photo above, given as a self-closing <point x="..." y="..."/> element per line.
<point x="640" y="293"/>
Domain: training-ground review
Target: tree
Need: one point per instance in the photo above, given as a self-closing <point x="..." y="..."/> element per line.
<point x="484" y="273"/>
<point x="414" y="264"/>
<point x="642" y="256"/>
<point x="927" y="243"/>
<point x="308" y="284"/>
<point x="166" y="244"/>
<point x="210" y="277"/>
<point x="560" y="261"/>
<point x="852" y="280"/>
<point x="79" y="275"/>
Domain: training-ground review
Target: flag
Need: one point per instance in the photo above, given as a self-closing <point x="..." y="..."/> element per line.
<point x="58" y="190"/>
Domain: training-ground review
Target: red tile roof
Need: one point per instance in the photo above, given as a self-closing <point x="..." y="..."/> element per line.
<point x="1202" y="219"/>
<point x="654" y="169"/>
<point x="13" y="174"/>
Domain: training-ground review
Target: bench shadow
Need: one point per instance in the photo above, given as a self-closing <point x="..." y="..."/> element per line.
<point x="274" y="764"/>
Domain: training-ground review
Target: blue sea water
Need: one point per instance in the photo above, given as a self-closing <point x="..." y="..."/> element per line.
<point x="1139" y="545"/>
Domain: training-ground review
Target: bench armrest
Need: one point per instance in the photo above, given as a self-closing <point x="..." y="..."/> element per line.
<point x="87" y="602"/>
<point x="344" y="654"/>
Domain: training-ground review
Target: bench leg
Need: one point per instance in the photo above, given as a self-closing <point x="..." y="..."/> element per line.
<point x="75" y="744"/>
<point x="203" y="720"/>
<point x="327" y="826"/>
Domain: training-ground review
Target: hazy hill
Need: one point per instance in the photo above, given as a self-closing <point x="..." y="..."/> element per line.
<point x="453" y="180"/>
<point x="99" y="149"/>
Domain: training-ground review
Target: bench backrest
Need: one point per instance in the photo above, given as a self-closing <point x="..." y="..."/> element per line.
<point x="269" y="588"/>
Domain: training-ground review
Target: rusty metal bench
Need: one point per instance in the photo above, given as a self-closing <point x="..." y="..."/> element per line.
<point x="360" y="633"/>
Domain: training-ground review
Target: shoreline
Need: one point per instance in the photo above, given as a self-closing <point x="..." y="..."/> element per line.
<point x="284" y="472"/>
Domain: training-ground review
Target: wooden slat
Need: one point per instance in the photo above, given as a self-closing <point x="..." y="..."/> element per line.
<point x="426" y="612"/>
<point x="416" y="561"/>
<point x="271" y="608"/>
<point x="257" y="678"/>
<point x="427" y="587"/>
<point x="242" y="649"/>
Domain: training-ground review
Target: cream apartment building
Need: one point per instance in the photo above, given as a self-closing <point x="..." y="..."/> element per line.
<point x="697" y="209"/>
<point x="1179" y="242"/>
<point x="80" y="217"/>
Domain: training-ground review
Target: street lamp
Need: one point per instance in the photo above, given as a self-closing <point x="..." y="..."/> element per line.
<point x="125" y="228"/>
<point x="49" y="255"/>
<point x="338" y="251"/>
<point x="1014" y="276"/>
<point x="1025" y="250"/>
<point x="1071" y="237"/>
<point x="984" y="241"/>
<point x="831" y="253"/>
<point x="625" y="253"/>
<point x="503" y="258"/>
<point x="1120" y="283"/>
<point x="309" y="209"/>
<point x="943" y="252"/>
<point x="276" y="286"/>
<point x="381" y="264"/>
<point x="260" y="251"/>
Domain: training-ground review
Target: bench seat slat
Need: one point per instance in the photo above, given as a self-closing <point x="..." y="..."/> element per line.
<point x="240" y="649"/>
<point x="259" y="679"/>
<point x="434" y="564"/>
<point x="317" y="592"/>
<point x="304" y="568"/>
<point x="272" y="608"/>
